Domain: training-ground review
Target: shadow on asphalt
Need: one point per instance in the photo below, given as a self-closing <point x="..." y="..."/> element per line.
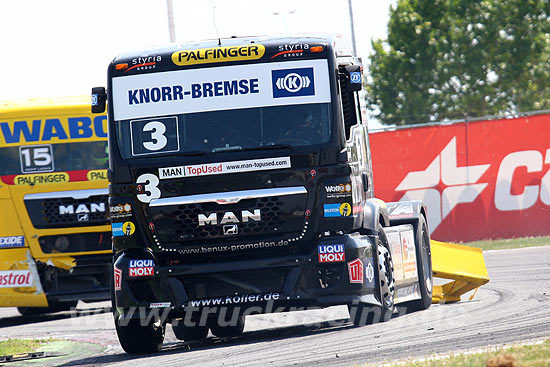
<point x="34" y="319"/>
<point x="250" y="337"/>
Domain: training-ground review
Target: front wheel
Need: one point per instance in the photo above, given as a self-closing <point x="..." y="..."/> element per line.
<point x="424" y="266"/>
<point x="370" y="314"/>
<point x="137" y="338"/>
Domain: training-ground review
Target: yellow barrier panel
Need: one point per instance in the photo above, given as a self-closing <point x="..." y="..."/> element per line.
<point x="463" y="264"/>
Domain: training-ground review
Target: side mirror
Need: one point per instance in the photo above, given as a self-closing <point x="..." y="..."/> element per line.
<point x="99" y="99"/>
<point x="355" y="79"/>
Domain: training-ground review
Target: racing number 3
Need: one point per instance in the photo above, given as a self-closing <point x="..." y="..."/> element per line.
<point x="154" y="136"/>
<point x="157" y="129"/>
<point x="151" y="187"/>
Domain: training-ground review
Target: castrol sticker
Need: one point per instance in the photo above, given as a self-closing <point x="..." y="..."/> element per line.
<point x="15" y="279"/>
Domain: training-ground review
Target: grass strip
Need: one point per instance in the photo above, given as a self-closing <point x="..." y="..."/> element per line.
<point x="20" y="346"/>
<point x="532" y="355"/>
<point x="510" y="243"/>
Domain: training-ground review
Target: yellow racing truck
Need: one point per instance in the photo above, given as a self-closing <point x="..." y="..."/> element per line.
<point x="55" y="237"/>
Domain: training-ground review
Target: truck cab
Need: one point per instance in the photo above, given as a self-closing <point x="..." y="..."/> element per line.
<point x="55" y="246"/>
<point x="245" y="170"/>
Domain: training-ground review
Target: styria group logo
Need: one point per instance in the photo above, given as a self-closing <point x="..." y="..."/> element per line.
<point x="460" y="184"/>
<point x="293" y="82"/>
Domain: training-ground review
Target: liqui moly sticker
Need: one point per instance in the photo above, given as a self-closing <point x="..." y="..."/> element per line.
<point x="331" y="253"/>
<point x="355" y="269"/>
<point x="141" y="268"/>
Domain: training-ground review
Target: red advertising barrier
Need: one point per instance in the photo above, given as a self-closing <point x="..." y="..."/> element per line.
<point x="479" y="180"/>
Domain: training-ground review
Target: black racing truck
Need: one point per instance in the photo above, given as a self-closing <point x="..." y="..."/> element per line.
<point x="241" y="182"/>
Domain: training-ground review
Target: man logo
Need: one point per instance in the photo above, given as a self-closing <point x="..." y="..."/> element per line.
<point x="230" y="230"/>
<point x="293" y="82"/>
<point x="83" y="217"/>
<point x="229" y="217"/>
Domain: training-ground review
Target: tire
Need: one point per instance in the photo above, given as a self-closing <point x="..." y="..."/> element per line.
<point x="189" y="333"/>
<point x="424" y="266"/>
<point x="371" y="314"/>
<point x="136" y="338"/>
<point x="227" y="331"/>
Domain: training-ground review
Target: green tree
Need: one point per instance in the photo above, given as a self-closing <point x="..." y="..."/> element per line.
<point x="457" y="59"/>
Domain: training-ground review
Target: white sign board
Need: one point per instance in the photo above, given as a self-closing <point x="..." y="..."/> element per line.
<point x="220" y="88"/>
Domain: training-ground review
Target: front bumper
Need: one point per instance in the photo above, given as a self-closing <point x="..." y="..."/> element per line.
<point x="295" y="281"/>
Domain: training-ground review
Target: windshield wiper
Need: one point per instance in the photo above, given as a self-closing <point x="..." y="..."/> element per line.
<point x="227" y="149"/>
<point x="268" y="147"/>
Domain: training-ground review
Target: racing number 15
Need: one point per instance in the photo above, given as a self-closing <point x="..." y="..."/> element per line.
<point x="153" y="136"/>
<point x="36" y="158"/>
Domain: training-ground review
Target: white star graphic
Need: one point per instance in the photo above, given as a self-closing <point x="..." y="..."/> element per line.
<point x="460" y="181"/>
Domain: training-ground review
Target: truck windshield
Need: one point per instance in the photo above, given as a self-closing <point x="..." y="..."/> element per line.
<point x="53" y="157"/>
<point x="297" y="125"/>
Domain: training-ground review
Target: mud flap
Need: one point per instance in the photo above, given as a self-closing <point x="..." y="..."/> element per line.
<point x="463" y="264"/>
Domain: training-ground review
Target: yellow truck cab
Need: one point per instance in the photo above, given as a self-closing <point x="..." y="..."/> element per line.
<point x="55" y="237"/>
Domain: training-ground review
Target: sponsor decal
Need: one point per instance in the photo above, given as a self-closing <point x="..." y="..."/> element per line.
<point x="220" y="88"/>
<point x="16" y="278"/>
<point x="82" y="208"/>
<point x="160" y="305"/>
<point x="53" y="129"/>
<point x="224" y="167"/>
<point x="355" y="270"/>
<point x="189" y="250"/>
<point x="337" y="210"/>
<point x="97" y="175"/>
<point x="230" y="300"/>
<point x="196" y="90"/>
<point x="141" y="268"/>
<point x="400" y="210"/>
<point x="123" y="229"/>
<point x="117" y="273"/>
<point x="293" y="50"/>
<point x="12" y="241"/>
<point x="369" y="272"/>
<point x="338" y="191"/>
<point x="355" y="77"/>
<point x="120" y="211"/>
<point x="41" y="178"/>
<point x="229" y="217"/>
<point x="218" y="54"/>
<point x="144" y="63"/>
<point x="293" y="82"/>
<point x="331" y="253"/>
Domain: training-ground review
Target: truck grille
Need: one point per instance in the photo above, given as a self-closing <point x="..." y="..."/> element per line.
<point x="282" y="215"/>
<point x="57" y="210"/>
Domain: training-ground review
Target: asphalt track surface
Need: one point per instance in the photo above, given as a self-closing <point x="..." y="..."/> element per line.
<point x="513" y="307"/>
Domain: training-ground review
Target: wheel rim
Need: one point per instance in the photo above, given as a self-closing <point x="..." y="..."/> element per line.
<point x="386" y="276"/>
